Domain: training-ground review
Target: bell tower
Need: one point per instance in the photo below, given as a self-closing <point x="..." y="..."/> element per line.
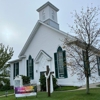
<point x="48" y="14"/>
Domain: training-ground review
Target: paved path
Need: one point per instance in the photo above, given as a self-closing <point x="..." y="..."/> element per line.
<point x="8" y="95"/>
<point x="93" y="85"/>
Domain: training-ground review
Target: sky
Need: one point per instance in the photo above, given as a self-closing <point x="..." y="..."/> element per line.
<point x="18" y="18"/>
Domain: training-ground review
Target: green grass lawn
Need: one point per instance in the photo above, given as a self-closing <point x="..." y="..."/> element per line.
<point x="9" y="92"/>
<point x="65" y="95"/>
<point x="64" y="88"/>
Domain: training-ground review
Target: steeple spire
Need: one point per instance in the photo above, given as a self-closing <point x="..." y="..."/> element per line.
<point x="48" y="14"/>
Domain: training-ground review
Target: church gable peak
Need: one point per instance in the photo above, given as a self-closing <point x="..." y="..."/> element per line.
<point x="44" y="54"/>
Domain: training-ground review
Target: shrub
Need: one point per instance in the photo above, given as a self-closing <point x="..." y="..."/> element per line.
<point x="26" y="79"/>
<point x="6" y="81"/>
<point x="1" y="85"/>
<point x="6" y="86"/>
<point x="43" y="83"/>
<point x="54" y="83"/>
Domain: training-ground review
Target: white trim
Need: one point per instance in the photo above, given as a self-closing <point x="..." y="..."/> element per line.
<point x="47" y="4"/>
<point x="16" y="60"/>
<point x="30" y="38"/>
<point x="39" y="55"/>
<point x="38" y="24"/>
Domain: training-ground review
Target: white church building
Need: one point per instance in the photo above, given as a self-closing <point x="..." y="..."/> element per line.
<point x="44" y="47"/>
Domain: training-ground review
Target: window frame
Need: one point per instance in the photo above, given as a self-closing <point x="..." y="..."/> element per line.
<point x="16" y="69"/>
<point x="59" y="64"/>
<point x="30" y="67"/>
<point x="64" y="72"/>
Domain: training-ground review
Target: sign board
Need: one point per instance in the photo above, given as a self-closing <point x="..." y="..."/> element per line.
<point x="18" y="81"/>
<point x="25" y="91"/>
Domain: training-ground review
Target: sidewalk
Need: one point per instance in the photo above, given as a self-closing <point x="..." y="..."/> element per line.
<point x="93" y="85"/>
<point x="7" y="95"/>
<point x="84" y="87"/>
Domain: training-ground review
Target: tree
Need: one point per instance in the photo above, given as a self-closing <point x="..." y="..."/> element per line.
<point x="5" y="54"/>
<point x="82" y="51"/>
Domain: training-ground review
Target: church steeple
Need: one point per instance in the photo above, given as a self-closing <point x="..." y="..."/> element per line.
<point x="48" y="14"/>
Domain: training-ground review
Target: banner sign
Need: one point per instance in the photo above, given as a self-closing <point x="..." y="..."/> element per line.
<point x="25" y="91"/>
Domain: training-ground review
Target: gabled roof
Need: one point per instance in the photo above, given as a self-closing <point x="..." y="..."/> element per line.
<point x="38" y="24"/>
<point x="17" y="60"/>
<point x="48" y="4"/>
<point x="83" y="45"/>
<point x="41" y="52"/>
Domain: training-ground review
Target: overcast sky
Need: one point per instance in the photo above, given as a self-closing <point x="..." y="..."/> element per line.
<point x="18" y="18"/>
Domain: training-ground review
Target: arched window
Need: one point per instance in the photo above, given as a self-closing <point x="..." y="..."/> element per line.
<point x="30" y="67"/>
<point x="60" y="63"/>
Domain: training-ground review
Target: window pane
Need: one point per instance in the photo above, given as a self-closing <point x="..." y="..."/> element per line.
<point x="61" y="70"/>
<point x="30" y="63"/>
<point x="61" y="75"/>
<point x="30" y="68"/>
<point x="16" y="69"/>
<point x="60" y="63"/>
